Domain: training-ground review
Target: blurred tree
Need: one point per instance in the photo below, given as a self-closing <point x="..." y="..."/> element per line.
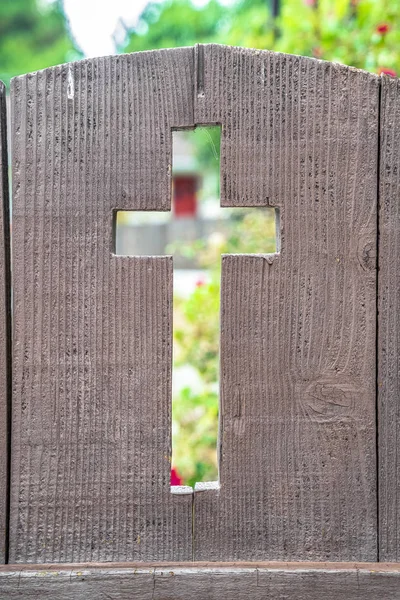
<point x="175" y="23"/>
<point x="360" y="33"/>
<point x="33" y="35"/>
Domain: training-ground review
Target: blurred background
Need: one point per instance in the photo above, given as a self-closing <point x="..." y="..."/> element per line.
<point x="35" y="34"/>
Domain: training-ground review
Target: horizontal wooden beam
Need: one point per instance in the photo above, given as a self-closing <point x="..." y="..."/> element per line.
<point x="208" y="581"/>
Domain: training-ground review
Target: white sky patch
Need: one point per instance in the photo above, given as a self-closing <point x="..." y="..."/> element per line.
<point x="93" y="22"/>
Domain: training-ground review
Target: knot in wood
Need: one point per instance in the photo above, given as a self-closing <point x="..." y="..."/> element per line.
<point x="327" y="400"/>
<point x="366" y="253"/>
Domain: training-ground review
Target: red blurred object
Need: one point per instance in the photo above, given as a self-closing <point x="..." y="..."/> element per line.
<point x="383" y="71"/>
<point x="382" y="28"/>
<point x="185" y="196"/>
<point x="200" y="282"/>
<point x="175" y="478"/>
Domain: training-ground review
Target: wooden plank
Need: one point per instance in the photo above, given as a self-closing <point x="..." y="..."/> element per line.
<point x="301" y="581"/>
<point x="92" y="331"/>
<point x="298" y="329"/>
<point x="5" y="328"/>
<point x="389" y="323"/>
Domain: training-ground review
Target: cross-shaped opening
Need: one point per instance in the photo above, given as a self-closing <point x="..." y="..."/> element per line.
<point x="196" y="232"/>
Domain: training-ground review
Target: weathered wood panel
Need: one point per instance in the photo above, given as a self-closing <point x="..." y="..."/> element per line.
<point x="92" y="331"/>
<point x="5" y="327"/>
<point x="389" y="323"/>
<point x="306" y="581"/>
<point x="298" y="373"/>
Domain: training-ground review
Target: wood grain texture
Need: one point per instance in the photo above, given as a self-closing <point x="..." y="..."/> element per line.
<point x="92" y="331"/>
<point x="389" y="323"/>
<point x="209" y="582"/>
<point x="5" y="329"/>
<point x="298" y="372"/>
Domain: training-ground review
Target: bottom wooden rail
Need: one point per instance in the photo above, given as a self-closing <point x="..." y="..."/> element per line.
<point x="203" y="581"/>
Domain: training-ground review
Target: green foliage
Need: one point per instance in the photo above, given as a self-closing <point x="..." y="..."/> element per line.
<point x="197" y="342"/>
<point x="194" y="434"/>
<point x="361" y="33"/>
<point x="175" y="23"/>
<point x="196" y="330"/>
<point x="207" y="141"/>
<point x="33" y="35"/>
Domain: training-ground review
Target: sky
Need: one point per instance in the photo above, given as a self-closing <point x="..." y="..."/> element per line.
<point x="93" y="22"/>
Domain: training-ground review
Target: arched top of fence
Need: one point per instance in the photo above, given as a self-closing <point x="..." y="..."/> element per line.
<point x="163" y="54"/>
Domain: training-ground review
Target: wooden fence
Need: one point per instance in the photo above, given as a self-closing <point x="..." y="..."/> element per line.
<point x="310" y="379"/>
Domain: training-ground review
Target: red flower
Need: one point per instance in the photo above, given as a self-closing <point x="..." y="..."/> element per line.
<point x="200" y="282"/>
<point x="382" y="28"/>
<point x="175" y="478"/>
<point x="317" y="52"/>
<point x="390" y="72"/>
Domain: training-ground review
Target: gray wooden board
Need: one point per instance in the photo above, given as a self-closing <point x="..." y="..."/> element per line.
<point x="92" y="331"/>
<point x="389" y="323"/>
<point x="298" y="373"/>
<point x="5" y="326"/>
<point x="209" y="582"/>
<point x="92" y="334"/>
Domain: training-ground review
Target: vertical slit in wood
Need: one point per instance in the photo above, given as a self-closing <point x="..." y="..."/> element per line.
<point x="6" y="301"/>
<point x="193" y="526"/>
<point x="199" y="66"/>
<point x="378" y="208"/>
